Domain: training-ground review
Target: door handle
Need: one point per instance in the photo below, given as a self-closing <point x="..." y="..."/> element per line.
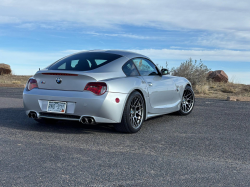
<point x="150" y="84"/>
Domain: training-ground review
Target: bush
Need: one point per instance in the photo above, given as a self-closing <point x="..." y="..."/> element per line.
<point x="195" y="72"/>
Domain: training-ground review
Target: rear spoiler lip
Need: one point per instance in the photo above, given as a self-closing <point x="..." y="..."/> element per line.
<point x="61" y="74"/>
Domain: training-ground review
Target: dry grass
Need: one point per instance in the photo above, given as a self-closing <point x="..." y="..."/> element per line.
<point x="13" y="80"/>
<point x="208" y="90"/>
<point x="223" y="90"/>
<point x="16" y="82"/>
<point x="202" y="89"/>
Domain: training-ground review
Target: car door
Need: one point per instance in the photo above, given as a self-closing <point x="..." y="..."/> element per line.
<point x="161" y="89"/>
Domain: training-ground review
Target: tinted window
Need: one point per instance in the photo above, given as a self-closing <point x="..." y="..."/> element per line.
<point x="129" y="69"/>
<point x="145" y="67"/>
<point x="84" y="61"/>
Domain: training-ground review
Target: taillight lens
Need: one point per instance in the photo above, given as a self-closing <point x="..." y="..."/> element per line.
<point x="97" y="88"/>
<point x="32" y="83"/>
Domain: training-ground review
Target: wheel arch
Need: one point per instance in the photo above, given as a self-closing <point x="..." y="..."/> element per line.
<point x="143" y="96"/>
<point x="138" y="90"/>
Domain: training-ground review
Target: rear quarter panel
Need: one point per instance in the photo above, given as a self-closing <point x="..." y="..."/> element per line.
<point x="126" y="85"/>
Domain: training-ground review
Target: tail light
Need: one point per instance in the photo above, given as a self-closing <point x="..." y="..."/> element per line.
<point x="32" y="83"/>
<point x="97" y="88"/>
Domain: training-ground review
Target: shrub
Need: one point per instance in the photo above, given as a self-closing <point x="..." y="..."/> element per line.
<point x="195" y="72"/>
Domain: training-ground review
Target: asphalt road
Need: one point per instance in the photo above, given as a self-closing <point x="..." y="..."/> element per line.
<point x="210" y="147"/>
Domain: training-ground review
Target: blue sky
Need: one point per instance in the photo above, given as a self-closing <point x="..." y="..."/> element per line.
<point x="34" y="34"/>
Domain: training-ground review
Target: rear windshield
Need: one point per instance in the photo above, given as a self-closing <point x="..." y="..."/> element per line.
<point x="84" y="61"/>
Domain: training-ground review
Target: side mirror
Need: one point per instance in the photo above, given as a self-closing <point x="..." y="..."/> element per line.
<point x="165" y="71"/>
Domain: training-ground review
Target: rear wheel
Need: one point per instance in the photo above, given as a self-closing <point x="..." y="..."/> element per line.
<point x="133" y="114"/>
<point x="187" y="103"/>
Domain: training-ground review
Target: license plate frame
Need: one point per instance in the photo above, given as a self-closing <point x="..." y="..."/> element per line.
<point x="62" y="109"/>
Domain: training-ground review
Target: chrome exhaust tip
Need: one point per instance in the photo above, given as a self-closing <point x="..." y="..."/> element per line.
<point x="87" y="120"/>
<point x="84" y="120"/>
<point x="32" y="115"/>
<point x="91" y="121"/>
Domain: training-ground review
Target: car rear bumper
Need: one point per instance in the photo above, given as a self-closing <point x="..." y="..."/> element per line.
<point x="104" y="108"/>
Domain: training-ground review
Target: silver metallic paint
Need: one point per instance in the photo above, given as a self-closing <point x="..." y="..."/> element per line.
<point x="162" y="94"/>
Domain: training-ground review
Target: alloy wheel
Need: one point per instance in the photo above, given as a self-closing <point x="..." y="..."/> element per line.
<point x="136" y="112"/>
<point x="187" y="101"/>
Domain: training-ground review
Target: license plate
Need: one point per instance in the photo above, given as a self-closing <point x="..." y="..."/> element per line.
<point x="56" y="106"/>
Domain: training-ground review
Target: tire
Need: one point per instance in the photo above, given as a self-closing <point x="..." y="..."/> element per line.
<point x="133" y="114"/>
<point x="46" y="121"/>
<point x="187" y="103"/>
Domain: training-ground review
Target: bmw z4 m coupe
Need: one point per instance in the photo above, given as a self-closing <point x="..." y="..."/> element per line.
<point x="106" y="86"/>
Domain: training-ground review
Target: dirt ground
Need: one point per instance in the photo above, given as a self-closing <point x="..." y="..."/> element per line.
<point x="16" y="81"/>
<point x="210" y="90"/>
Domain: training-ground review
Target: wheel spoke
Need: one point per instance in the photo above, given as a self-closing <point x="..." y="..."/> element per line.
<point x="135" y="120"/>
<point x="183" y="107"/>
<point x="187" y="95"/>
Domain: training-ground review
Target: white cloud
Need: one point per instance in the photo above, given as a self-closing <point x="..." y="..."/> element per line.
<point x="27" y="26"/>
<point x="126" y="35"/>
<point x="196" y="53"/>
<point x="193" y="14"/>
<point x="209" y="55"/>
<point x="227" y="22"/>
<point x="227" y="40"/>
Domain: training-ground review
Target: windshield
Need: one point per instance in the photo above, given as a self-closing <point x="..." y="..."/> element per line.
<point x="84" y="61"/>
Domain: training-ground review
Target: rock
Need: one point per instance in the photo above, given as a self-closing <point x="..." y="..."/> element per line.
<point x="218" y="76"/>
<point x="5" y="69"/>
<point x="235" y="98"/>
<point x="232" y="98"/>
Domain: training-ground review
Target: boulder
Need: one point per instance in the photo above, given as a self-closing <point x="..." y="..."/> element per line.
<point x="5" y="69"/>
<point x="218" y="76"/>
<point x="235" y="98"/>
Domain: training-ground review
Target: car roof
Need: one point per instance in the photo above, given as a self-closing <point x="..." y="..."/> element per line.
<point x="128" y="54"/>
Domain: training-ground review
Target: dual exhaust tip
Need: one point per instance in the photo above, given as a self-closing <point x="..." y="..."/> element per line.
<point x="84" y="120"/>
<point x="87" y="120"/>
<point x="32" y="115"/>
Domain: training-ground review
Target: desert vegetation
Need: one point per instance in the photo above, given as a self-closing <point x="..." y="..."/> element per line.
<point x="195" y="71"/>
<point x="197" y="74"/>
<point x="13" y="80"/>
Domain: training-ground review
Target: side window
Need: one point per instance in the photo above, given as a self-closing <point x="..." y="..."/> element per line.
<point x="63" y="66"/>
<point x="129" y="69"/>
<point x="99" y="61"/>
<point x="145" y="67"/>
<point x="74" y="63"/>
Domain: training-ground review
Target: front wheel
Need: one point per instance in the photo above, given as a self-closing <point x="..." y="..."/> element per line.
<point x="133" y="114"/>
<point x="187" y="103"/>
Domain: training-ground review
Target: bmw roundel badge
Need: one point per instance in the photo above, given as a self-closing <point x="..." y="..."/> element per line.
<point x="58" y="80"/>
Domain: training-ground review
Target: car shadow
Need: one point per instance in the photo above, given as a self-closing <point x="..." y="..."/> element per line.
<point x="15" y="118"/>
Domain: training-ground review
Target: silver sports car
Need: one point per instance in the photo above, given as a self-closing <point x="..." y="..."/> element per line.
<point x="106" y="86"/>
